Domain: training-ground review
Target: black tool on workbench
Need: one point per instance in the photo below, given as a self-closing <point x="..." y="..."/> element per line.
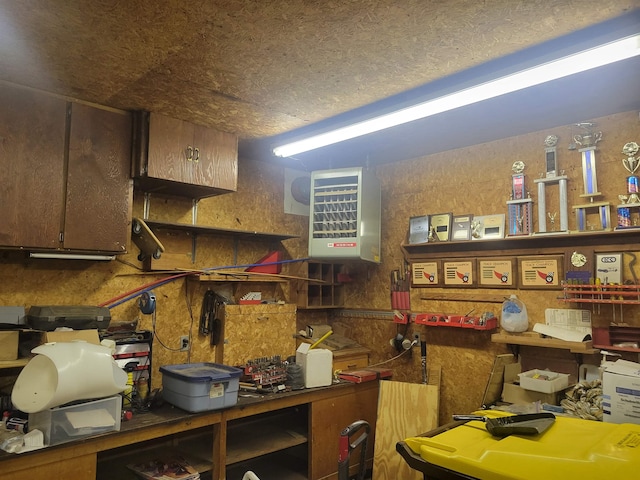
<point x="525" y="424"/>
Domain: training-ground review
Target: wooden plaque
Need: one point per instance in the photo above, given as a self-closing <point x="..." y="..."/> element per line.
<point x="544" y="271"/>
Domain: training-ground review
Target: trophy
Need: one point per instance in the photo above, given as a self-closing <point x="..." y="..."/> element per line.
<point x="587" y="141"/>
<point x="519" y="203"/>
<point x="552" y="176"/>
<point x="631" y="199"/>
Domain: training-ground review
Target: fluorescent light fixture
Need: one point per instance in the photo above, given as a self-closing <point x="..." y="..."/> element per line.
<point x="70" y="256"/>
<point x="579" y="62"/>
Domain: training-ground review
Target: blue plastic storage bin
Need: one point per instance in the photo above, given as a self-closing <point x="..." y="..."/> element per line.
<point x="197" y="387"/>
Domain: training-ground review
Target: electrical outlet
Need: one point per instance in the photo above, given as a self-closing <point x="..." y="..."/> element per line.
<point x="184" y="343"/>
<point x="416" y="338"/>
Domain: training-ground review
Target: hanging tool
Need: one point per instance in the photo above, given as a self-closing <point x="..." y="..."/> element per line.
<point x="423" y="361"/>
<point x="211" y="316"/>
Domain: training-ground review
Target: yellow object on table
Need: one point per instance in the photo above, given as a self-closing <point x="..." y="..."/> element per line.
<point x="570" y="448"/>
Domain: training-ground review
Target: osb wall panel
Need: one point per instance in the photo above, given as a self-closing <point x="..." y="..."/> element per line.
<point x="477" y="180"/>
<point x="252" y="331"/>
<point x="51" y="282"/>
<point x="263" y="68"/>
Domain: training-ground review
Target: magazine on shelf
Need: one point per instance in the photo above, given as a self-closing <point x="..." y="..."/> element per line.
<point x="165" y="469"/>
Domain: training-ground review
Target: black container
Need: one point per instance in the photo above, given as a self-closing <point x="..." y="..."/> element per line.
<point x="78" y="317"/>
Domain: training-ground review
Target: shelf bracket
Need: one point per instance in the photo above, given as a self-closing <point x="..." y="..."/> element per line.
<point x="146" y="206"/>
<point x="194" y="211"/>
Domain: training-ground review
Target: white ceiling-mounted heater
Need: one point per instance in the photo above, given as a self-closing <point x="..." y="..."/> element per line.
<point x="344" y="222"/>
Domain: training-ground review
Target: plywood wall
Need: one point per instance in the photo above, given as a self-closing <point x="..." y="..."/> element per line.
<point x="257" y="206"/>
<point x="470" y="180"/>
<point x="477" y="180"/>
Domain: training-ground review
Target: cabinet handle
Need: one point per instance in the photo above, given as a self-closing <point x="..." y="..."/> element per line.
<point x="197" y="155"/>
<point x="189" y="153"/>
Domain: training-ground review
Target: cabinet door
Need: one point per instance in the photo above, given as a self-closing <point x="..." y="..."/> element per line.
<point x="32" y="135"/>
<point x="169" y="157"/>
<point x="329" y="417"/>
<point x="217" y="164"/>
<point x="99" y="188"/>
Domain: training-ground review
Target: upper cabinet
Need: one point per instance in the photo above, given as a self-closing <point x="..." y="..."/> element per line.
<point x="99" y="187"/>
<point x="180" y="158"/>
<point x="66" y="174"/>
<point x="32" y="145"/>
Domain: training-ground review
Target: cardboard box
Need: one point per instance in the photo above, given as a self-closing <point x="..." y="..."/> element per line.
<point x="543" y="381"/>
<point x="512" y="392"/>
<point x="316" y="365"/>
<point x="90" y="336"/>
<point x="9" y="340"/>
<point x="621" y="392"/>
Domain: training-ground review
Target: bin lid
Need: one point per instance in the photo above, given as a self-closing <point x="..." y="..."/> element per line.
<point x="571" y="448"/>
<point x="201" y="372"/>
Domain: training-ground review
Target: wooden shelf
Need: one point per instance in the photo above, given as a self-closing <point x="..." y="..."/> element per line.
<point x="240" y="277"/>
<point x="20" y="362"/>
<point x="550" y="243"/>
<point x="250" y="439"/>
<point x="201" y="229"/>
<point x="535" y="340"/>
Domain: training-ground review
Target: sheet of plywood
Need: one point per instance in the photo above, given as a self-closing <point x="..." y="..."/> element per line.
<point x="494" y="386"/>
<point x="404" y="410"/>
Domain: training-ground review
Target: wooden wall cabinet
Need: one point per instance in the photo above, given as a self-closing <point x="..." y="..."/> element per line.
<point x="176" y="157"/>
<point x="66" y="166"/>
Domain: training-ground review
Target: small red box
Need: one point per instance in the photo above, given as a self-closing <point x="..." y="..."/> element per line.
<point x="431" y="319"/>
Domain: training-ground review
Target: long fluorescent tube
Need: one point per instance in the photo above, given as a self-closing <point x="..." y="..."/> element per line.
<point x="579" y="62"/>
<point x="70" y="256"/>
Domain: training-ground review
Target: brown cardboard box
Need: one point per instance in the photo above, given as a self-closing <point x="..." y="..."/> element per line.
<point x="9" y="344"/>
<point x="90" y="336"/>
<point x="514" y="393"/>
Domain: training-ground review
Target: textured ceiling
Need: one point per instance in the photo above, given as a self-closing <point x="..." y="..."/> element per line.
<point x="259" y="68"/>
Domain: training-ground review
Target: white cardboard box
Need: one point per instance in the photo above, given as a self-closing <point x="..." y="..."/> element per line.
<point x="621" y="392"/>
<point x="543" y="381"/>
<point x="512" y="392"/>
<point x="316" y="365"/>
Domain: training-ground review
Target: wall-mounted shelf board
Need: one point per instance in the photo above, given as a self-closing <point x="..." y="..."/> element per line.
<point x="240" y="277"/>
<point x="20" y="362"/>
<point x="532" y="244"/>
<point x="204" y="230"/>
<point x="538" y="341"/>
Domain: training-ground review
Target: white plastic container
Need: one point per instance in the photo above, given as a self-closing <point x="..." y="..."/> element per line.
<point x="543" y="381"/>
<point x="514" y="317"/>
<point x="316" y="365"/>
<point x="73" y="422"/>
<point x="64" y="372"/>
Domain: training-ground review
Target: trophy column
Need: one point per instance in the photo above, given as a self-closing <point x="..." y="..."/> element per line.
<point x="551" y="177"/>
<point x="590" y="182"/>
<point x="630" y="201"/>
<point x="519" y="204"/>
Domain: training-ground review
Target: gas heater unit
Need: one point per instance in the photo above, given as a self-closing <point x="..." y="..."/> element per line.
<point x="344" y="220"/>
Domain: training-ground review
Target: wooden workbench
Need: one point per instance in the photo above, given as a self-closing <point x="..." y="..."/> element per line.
<point x="215" y="441"/>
